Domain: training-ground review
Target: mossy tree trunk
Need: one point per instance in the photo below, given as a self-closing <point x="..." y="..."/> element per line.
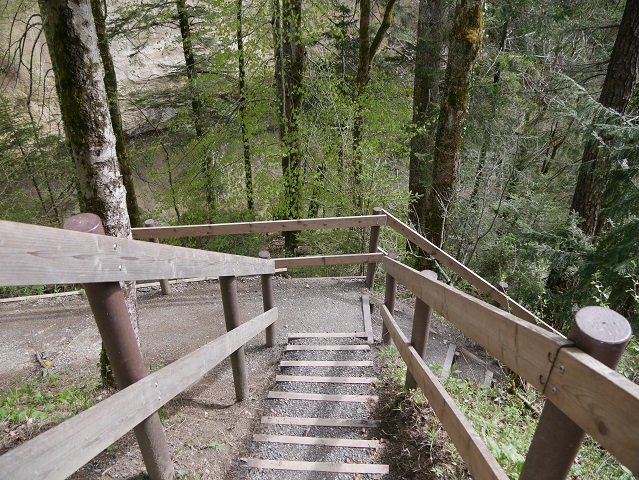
<point x="73" y="47"/>
<point x="111" y="85"/>
<point x="290" y="63"/>
<point x="465" y="43"/>
<point x="428" y="71"/>
<point x="616" y="93"/>
<point x="246" y="146"/>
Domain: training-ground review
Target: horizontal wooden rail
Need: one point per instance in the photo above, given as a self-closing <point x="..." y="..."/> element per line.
<point x="258" y="227"/>
<point x="604" y="403"/>
<point x="527" y="349"/>
<point x="480" y="462"/>
<point x="328" y="260"/>
<point x="34" y="255"/>
<point x="59" y="452"/>
<point x="463" y="271"/>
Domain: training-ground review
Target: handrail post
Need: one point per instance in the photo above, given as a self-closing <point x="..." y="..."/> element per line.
<point x="113" y="321"/>
<point x="390" y="292"/>
<point x="228" y="287"/>
<point x="372" y="248"/>
<point x="603" y="334"/>
<point x="164" y="283"/>
<point x="421" y="329"/>
<point x="268" y="300"/>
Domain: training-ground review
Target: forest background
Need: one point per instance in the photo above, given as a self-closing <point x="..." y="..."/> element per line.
<point x="268" y="109"/>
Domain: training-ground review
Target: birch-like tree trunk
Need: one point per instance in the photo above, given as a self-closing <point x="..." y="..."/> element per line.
<point x="465" y="43"/>
<point x="73" y="46"/>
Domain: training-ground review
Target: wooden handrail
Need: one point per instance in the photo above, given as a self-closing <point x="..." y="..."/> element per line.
<point x="57" y="453"/>
<point x="328" y="260"/>
<point x="33" y="255"/>
<point x="258" y="227"/>
<point x="525" y="348"/>
<point x="600" y="401"/>
<point x="480" y="462"/>
<point x="464" y="272"/>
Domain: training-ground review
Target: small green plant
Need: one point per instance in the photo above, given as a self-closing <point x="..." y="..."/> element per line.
<point x="215" y="445"/>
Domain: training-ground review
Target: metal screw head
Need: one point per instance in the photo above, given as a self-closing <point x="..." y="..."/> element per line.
<point x="562" y="368"/>
<point x="120" y="267"/>
<point x="553" y="390"/>
<point x="550" y="357"/>
<point x="115" y="246"/>
<point x="542" y="380"/>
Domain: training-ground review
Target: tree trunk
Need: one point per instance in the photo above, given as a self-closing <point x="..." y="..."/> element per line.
<point x="290" y="52"/>
<point x="428" y="53"/>
<point x="73" y="46"/>
<point x="196" y="99"/>
<point x="246" y="146"/>
<point x="465" y="43"/>
<point x="111" y="84"/>
<point x="615" y="94"/>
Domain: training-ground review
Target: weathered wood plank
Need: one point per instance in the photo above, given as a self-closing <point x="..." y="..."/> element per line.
<point x="447" y="368"/>
<point x="372" y="468"/>
<point x="525" y="348"/>
<point x="480" y="462"/>
<point x="601" y="401"/>
<point x="329" y="442"/>
<point x="322" y="397"/>
<point x="366" y="313"/>
<point x="488" y="378"/>
<point x="326" y="363"/>
<point x="321" y="422"/>
<point x="296" y="348"/>
<point x="59" y="452"/>
<point x="258" y="227"/>
<point x="463" y="271"/>
<point x="31" y="254"/>
<point x="315" y="379"/>
<point x="295" y="336"/>
<point x="328" y="260"/>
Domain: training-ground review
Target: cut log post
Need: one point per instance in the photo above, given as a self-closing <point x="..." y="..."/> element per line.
<point x="112" y="318"/>
<point x="603" y="334"/>
<point x="372" y="248"/>
<point x="228" y="287"/>
<point x="164" y="283"/>
<point x="421" y="329"/>
<point x="390" y="292"/>
<point x="268" y="300"/>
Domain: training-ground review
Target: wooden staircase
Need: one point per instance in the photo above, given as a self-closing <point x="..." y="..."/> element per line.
<point x="317" y="421"/>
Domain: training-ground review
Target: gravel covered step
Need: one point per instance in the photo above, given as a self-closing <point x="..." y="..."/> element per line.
<point x="330" y="442"/>
<point x="318" y="466"/>
<point x="322" y="397"/>
<point x="292" y="336"/>
<point x="326" y="363"/>
<point x="322" y="422"/>
<point x="318" y="379"/>
<point x="292" y="348"/>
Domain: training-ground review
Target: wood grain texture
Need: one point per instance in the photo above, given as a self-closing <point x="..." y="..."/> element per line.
<point x="323" y="397"/>
<point x="316" y="379"/>
<point x="366" y="313"/>
<point x="32" y="255"/>
<point x="601" y="401"/>
<point x="296" y="348"/>
<point x="321" y="422"/>
<point x="258" y="227"/>
<point x="372" y="468"/>
<point x="57" y="453"/>
<point x="525" y="348"/>
<point x="460" y="269"/>
<point x="327" y="260"/>
<point x="329" y="442"/>
<point x="326" y="363"/>
<point x="480" y="462"/>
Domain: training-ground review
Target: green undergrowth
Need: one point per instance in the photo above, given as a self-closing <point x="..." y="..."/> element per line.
<point x="48" y="399"/>
<point x="506" y="420"/>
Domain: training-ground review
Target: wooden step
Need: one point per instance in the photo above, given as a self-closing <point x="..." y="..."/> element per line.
<point x="293" y="348"/>
<point x="314" y="379"/>
<point x="318" y="466"/>
<point x="294" y="336"/>
<point x="321" y="422"/>
<point x="322" y="397"/>
<point x="325" y="363"/>
<point x="329" y="442"/>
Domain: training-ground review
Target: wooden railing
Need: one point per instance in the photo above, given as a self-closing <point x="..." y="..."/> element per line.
<point x="31" y="254"/>
<point x="599" y="401"/>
